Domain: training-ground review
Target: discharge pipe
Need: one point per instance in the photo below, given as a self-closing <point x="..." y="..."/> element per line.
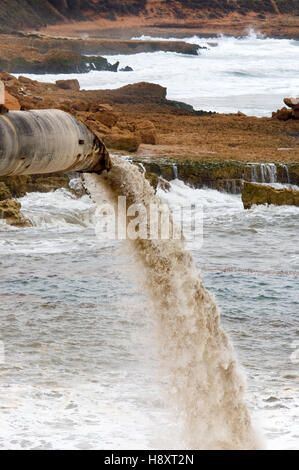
<point x="48" y="141"/>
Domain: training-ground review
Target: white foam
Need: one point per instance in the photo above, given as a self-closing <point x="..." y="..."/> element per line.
<point x="252" y="74"/>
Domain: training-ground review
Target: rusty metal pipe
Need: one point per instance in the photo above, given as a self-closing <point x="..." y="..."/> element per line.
<point x="48" y="141"/>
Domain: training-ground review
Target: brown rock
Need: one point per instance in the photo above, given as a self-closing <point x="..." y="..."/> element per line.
<point x="5" y="192"/>
<point x="10" y="211"/>
<point x="6" y="77"/>
<point x="97" y="127"/>
<point x="295" y="113"/>
<point x="68" y="84"/>
<point x="107" y="118"/>
<point x="17" y="185"/>
<point x="292" y="102"/>
<point x="283" y="114"/>
<point x="11" y="103"/>
<point x="126" y="141"/>
<point x="94" y="107"/>
<point x="261" y="194"/>
<point x="26" y="80"/>
<point x="79" y="105"/>
<point x="147" y="132"/>
<point x="144" y="92"/>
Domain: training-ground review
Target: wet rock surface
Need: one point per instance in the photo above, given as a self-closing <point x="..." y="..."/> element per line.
<point x="10" y="212"/>
<point x="260" y="194"/>
<point x="25" y="59"/>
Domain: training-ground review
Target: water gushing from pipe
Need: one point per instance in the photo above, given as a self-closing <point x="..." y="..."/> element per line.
<point x="205" y="384"/>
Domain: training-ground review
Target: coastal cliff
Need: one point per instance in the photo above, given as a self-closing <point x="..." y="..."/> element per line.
<point x="117" y="15"/>
<point x="25" y="14"/>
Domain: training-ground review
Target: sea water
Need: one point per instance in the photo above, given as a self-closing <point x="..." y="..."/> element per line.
<point x="251" y="74"/>
<point x="81" y="368"/>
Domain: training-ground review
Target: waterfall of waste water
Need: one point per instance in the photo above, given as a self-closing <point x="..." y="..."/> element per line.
<point x="175" y="172"/>
<point x="206" y="387"/>
<point x="286" y="168"/>
<point x="268" y="172"/>
<point x="272" y="172"/>
<point x="254" y="174"/>
<point x="263" y="167"/>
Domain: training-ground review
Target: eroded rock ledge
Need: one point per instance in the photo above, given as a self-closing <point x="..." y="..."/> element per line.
<point x="18" y="58"/>
<point x="260" y="194"/>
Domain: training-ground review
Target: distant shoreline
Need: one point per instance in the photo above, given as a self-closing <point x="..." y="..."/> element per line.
<point x="278" y="27"/>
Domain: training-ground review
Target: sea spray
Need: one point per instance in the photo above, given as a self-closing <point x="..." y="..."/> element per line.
<point x="205" y="383"/>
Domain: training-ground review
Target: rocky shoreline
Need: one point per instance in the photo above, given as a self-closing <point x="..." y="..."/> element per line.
<point x="36" y="54"/>
<point x="256" y="194"/>
<point x="169" y="138"/>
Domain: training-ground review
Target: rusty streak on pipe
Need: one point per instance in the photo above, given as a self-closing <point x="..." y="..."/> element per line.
<point x="48" y="141"/>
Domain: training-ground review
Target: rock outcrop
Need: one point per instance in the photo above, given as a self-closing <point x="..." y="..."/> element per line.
<point x="18" y="186"/>
<point x="20" y="58"/>
<point x="122" y="141"/>
<point x="292" y="112"/>
<point x="147" y="132"/>
<point x="261" y="194"/>
<point x="11" y="103"/>
<point x="207" y="148"/>
<point x="72" y="84"/>
<point x="10" y="212"/>
<point x="21" y="13"/>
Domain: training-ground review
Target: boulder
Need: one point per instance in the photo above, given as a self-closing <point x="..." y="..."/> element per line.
<point x="11" y="103"/>
<point x="283" y="114"/>
<point x="292" y="102"/>
<point x="95" y="107"/>
<point x="17" y="185"/>
<point x="5" y="192"/>
<point x="97" y="127"/>
<point x="147" y="132"/>
<point x="68" y="84"/>
<point x="263" y="194"/>
<point x="295" y="113"/>
<point x="10" y="211"/>
<point x="79" y="105"/>
<point x="125" y="141"/>
<point x="107" y="118"/>
<point x="6" y="77"/>
<point x="126" y="69"/>
<point x="144" y="92"/>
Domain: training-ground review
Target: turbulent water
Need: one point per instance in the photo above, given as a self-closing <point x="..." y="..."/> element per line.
<point x="80" y="348"/>
<point x="204" y="379"/>
<point x="251" y="74"/>
<point x="81" y="367"/>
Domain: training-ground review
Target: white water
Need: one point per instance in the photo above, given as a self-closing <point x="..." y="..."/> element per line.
<point x="81" y="370"/>
<point x="252" y="74"/>
<point x="203" y="378"/>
